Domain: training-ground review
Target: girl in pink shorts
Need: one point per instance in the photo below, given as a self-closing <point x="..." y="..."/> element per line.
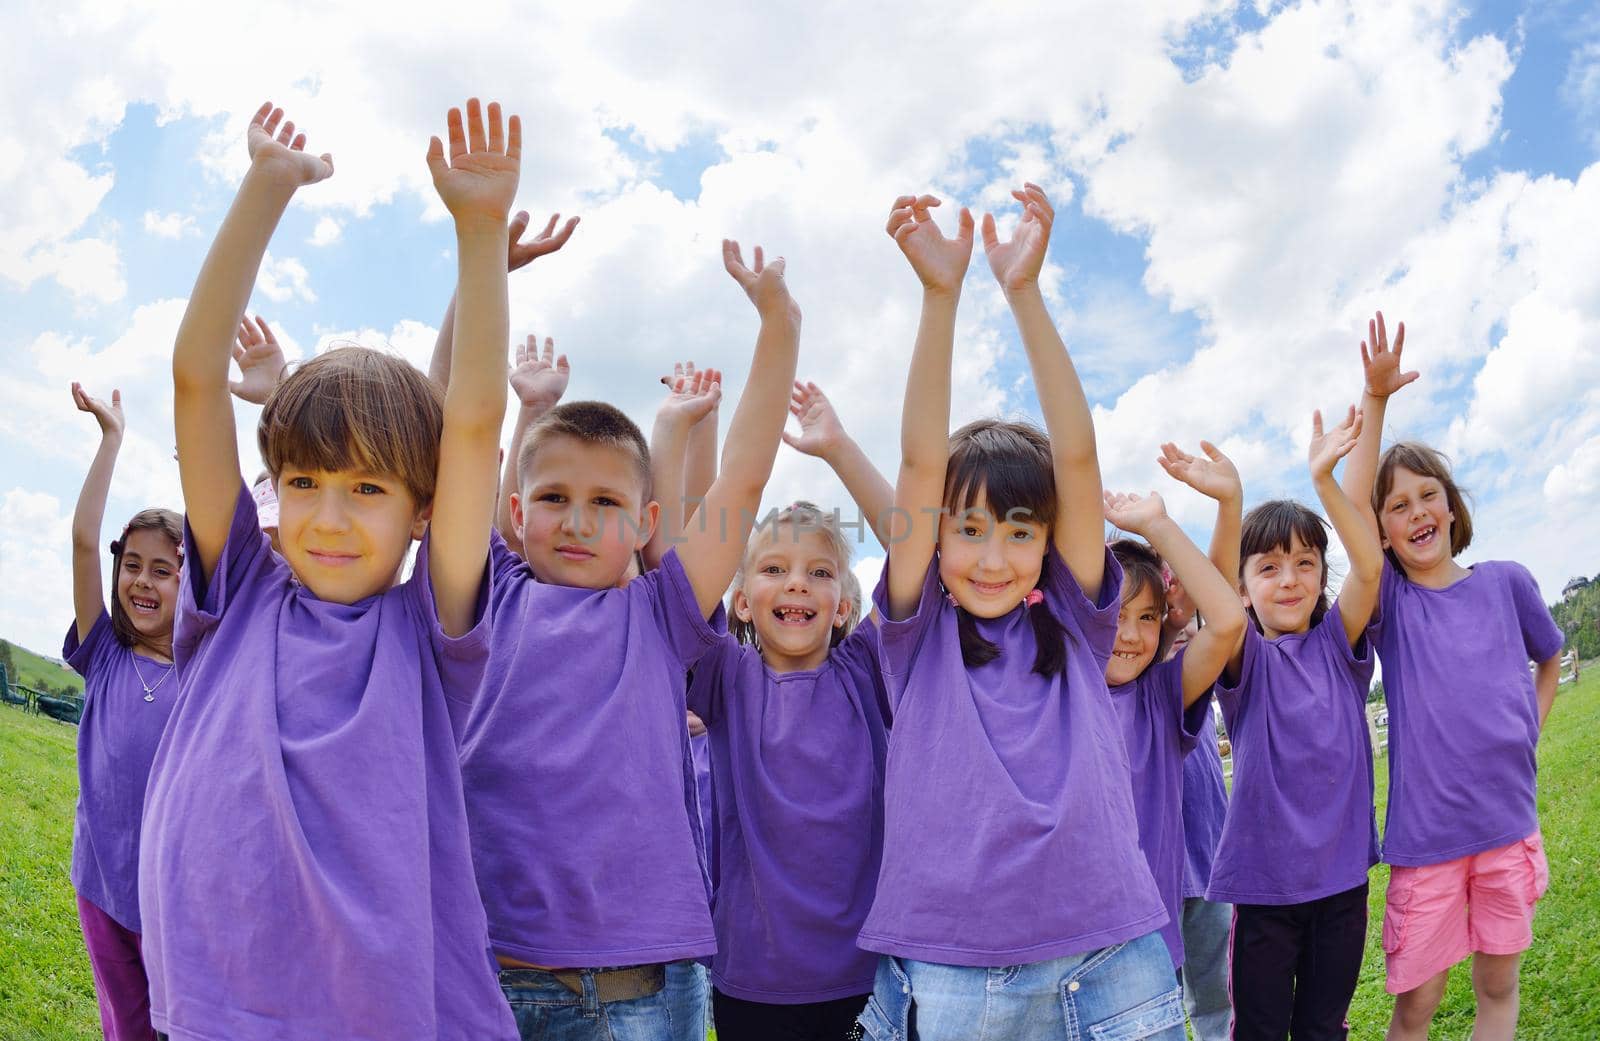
<point x="1462" y="834"/>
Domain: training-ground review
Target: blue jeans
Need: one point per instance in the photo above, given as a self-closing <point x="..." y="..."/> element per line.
<point x="1122" y="993"/>
<point x="1205" y="968"/>
<point x="546" y="1010"/>
<point x="687" y="991"/>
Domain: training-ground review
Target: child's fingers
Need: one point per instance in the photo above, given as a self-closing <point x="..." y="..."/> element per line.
<point x="761" y="261"/>
<point x="561" y="364"/>
<point x="116" y="399"/>
<point x="1383" y="334"/>
<point x="260" y="118"/>
<point x="497" y="130"/>
<point x="270" y="124"/>
<point x="991" y="240"/>
<point x="266" y="333"/>
<point x="1316" y="424"/>
<point x="1399" y="341"/>
<point x="519" y="224"/>
<point x="457" y="132"/>
<point x="964" y="226"/>
<point x="298" y="144"/>
<point x="436" y="164"/>
<point x="1212" y="451"/>
<point x="286" y="133"/>
<point x="899" y="217"/>
<point x="514" y="139"/>
<point x="475" y="137"/>
<point x="733" y="260"/>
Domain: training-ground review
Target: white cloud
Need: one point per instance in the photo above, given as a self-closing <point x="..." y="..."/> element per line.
<point x="35" y="544"/>
<point x="169" y="225"/>
<point x="326" y="233"/>
<point x="283" y="280"/>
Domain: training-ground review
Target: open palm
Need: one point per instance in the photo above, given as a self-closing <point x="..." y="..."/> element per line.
<point x="1017" y="261"/>
<point x="479" y="179"/>
<point x="278" y="152"/>
<point x="1212" y="475"/>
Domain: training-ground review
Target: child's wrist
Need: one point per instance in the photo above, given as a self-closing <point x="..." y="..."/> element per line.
<point x="471" y="227"/>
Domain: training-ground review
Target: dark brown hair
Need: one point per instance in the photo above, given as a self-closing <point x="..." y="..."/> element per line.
<point x="1273" y="526"/>
<point x="1423" y="461"/>
<point x="166" y="523"/>
<point x="1141" y="570"/>
<point x="591" y="422"/>
<point x="356" y="408"/>
<point x="1009" y="465"/>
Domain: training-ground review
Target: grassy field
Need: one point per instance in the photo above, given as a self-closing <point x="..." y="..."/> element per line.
<point x="38" y="672"/>
<point x="46" y="992"/>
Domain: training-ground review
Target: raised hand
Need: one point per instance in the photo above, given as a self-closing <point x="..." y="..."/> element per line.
<point x="1016" y="262"/>
<point x="940" y="262"/>
<point x="260" y="362"/>
<point x="762" y="282"/>
<point x="1379" y="364"/>
<point x="1327" y="448"/>
<point x="109" y="416"/>
<point x="1129" y="512"/>
<point x="520" y="254"/>
<point x="479" y="179"/>
<point x="1214" y="476"/>
<point x="278" y="152"/>
<point x="538" y="380"/>
<point x="820" y="429"/>
<point x="692" y="394"/>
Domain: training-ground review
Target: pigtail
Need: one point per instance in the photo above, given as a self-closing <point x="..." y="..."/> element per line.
<point x="1050" y="637"/>
<point x="975" y="650"/>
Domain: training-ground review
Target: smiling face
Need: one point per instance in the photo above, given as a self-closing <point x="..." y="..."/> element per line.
<point x="147" y="586"/>
<point x="580" y="513"/>
<point x="990" y="563"/>
<point x="1138" y="637"/>
<point x="1283" y="585"/>
<point x="792" y="594"/>
<point x="345" y="533"/>
<point x="1417" y="523"/>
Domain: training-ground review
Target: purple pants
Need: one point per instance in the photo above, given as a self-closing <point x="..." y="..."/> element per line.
<point x="120" y="984"/>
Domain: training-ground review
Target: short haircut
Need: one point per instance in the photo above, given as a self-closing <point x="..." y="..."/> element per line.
<point x="593" y="423"/>
<point x="805" y="518"/>
<point x="1273" y="525"/>
<point x="1424" y="461"/>
<point x="354" y="408"/>
<point x="1141" y="570"/>
<point x="166" y="523"/>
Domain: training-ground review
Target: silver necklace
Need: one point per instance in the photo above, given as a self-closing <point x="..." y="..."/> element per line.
<point x="149" y="691"/>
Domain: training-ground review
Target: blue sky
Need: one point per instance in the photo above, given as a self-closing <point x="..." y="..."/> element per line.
<point x="1491" y="110"/>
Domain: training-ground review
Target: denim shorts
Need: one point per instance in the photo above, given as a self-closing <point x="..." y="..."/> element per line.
<point x="1126" y="992"/>
<point x="545" y="1009"/>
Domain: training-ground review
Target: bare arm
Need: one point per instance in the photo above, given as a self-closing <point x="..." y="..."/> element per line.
<point x="89" y="515"/>
<point x="1546" y="679"/>
<point x="941" y="265"/>
<point x="691" y="398"/>
<point x="700" y="467"/>
<point x="1016" y="264"/>
<point x="1215" y="477"/>
<point x="1358" y="596"/>
<point x="822" y="435"/>
<point x="208" y="457"/>
<point x="538" y="380"/>
<point x="709" y="555"/>
<point x="1382" y="376"/>
<point x="477" y="185"/>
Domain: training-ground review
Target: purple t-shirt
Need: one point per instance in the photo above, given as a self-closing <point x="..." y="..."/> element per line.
<point x="1300" y="825"/>
<point x="1205" y="806"/>
<point x="1463" y="712"/>
<point x="306" y="870"/>
<point x="1010" y="833"/>
<point x="1159" y="734"/>
<point x="116" y="742"/>
<point x="797" y="760"/>
<point x="574" y="760"/>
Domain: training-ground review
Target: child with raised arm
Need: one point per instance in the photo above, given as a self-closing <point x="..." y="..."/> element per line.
<point x="573" y="758"/>
<point x="306" y="836"/>
<point x="1462" y="832"/>
<point x="794" y="708"/>
<point x="1013" y="900"/>
<point x="1164" y="704"/>
<point x="1299" y="837"/>
<point x="125" y="658"/>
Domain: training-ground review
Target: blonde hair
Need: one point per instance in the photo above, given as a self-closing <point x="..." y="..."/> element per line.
<point x="356" y="408"/>
<point x="805" y="518"/>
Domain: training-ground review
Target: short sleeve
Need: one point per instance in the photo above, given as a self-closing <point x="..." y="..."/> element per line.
<point x="1357" y="660"/>
<point x="677" y="612"/>
<point x="1167" y="688"/>
<point x="1231" y="696"/>
<point x="461" y="659"/>
<point x="1096" y="620"/>
<point x="81" y="654"/>
<point x="713" y="672"/>
<point x="899" y="640"/>
<point x="1541" y="635"/>
<point x="246" y="557"/>
<point x="1389" y="587"/>
<point x="861" y="655"/>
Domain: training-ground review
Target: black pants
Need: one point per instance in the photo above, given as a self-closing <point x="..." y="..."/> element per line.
<point x="739" y="1020"/>
<point x="1294" y="967"/>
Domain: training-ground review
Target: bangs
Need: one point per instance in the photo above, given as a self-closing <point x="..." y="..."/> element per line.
<point x="1007" y="465"/>
<point x="1424" y="461"/>
<point x="1141" y="569"/>
<point x="1275" y="525"/>
<point x="355" y="409"/>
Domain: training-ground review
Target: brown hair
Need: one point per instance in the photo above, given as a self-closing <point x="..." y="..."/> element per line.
<point x="356" y="408"/>
<point x="1141" y="570"/>
<point x="1274" y="525"/>
<point x="1423" y="461"/>
<point x="165" y="522"/>
<point x="590" y="422"/>
<point x="805" y="517"/>
<point x="1009" y="464"/>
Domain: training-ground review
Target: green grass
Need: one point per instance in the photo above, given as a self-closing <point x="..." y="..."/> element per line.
<point x="39" y="672"/>
<point x="47" y="994"/>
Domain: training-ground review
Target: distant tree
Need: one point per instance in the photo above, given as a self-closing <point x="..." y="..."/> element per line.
<point x="1376" y="693"/>
<point x="7" y="660"/>
<point x="1579" y="618"/>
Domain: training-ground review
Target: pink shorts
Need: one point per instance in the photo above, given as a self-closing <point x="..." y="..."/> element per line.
<point x="1436" y="915"/>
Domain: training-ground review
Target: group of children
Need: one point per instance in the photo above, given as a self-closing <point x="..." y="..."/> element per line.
<point x="986" y="804"/>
